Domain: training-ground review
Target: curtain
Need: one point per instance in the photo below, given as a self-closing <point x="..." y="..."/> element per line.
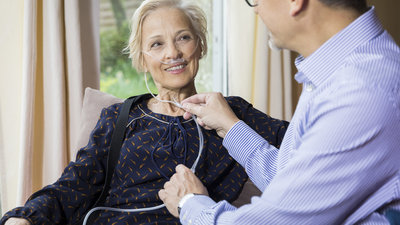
<point x="2" y="167"/>
<point x="60" y="59"/>
<point x="255" y="72"/>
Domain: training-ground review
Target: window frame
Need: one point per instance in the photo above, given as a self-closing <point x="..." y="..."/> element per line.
<point x="220" y="51"/>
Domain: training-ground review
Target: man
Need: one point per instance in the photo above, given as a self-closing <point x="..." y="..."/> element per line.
<point x="339" y="160"/>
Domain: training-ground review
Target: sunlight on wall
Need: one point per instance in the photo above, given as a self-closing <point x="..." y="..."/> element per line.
<point x="388" y="13"/>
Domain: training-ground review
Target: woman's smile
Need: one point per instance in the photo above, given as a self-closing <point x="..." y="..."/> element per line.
<point x="177" y="68"/>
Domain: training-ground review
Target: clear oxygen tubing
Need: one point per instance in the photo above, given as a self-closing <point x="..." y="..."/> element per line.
<point x="193" y="168"/>
<point x="172" y="61"/>
<point x="169" y="62"/>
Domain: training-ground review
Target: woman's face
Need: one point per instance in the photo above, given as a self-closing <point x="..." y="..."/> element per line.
<point x="167" y="35"/>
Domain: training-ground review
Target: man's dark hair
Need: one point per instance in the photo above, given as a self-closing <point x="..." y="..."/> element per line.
<point x="359" y="5"/>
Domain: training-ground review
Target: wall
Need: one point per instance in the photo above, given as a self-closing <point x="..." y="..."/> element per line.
<point x="11" y="25"/>
<point x="388" y="13"/>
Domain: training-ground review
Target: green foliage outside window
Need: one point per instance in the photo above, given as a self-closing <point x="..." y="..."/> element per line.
<point x="118" y="77"/>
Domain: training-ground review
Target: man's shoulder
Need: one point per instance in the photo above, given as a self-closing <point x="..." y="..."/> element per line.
<point x="371" y="69"/>
<point x="380" y="52"/>
<point x="375" y="63"/>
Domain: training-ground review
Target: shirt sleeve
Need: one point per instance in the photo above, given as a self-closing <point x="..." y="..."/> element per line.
<point x="253" y="152"/>
<point x="77" y="189"/>
<point x="256" y="134"/>
<point x="339" y="162"/>
<point x="271" y="129"/>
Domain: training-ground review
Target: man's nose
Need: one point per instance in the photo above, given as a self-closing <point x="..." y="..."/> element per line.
<point x="255" y="8"/>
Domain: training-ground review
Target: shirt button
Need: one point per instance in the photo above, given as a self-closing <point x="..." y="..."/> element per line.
<point x="309" y="87"/>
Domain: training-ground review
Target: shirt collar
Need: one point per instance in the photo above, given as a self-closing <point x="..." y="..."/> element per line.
<point x="324" y="61"/>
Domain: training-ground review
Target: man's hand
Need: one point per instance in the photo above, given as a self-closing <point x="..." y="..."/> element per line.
<point x="212" y="111"/>
<point x="17" y="221"/>
<point x="181" y="183"/>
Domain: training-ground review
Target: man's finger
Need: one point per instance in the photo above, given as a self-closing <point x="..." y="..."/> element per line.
<point x="196" y="99"/>
<point x="174" y="178"/>
<point x="200" y="122"/>
<point x="187" y="115"/>
<point x="181" y="168"/>
<point x="207" y="128"/>
<point x="195" y="109"/>
<point x="161" y="194"/>
<point x="165" y="185"/>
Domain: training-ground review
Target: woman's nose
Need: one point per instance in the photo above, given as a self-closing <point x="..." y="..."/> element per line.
<point x="173" y="51"/>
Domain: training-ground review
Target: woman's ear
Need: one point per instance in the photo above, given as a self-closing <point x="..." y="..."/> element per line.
<point x="144" y="66"/>
<point x="200" y="53"/>
<point x="296" y="6"/>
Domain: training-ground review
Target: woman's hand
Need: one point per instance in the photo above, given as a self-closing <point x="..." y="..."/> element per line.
<point x="17" y="221"/>
<point x="212" y="111"/>
<point x="183" y="182"/>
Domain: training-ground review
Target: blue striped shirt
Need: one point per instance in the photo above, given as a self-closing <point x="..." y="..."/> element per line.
<point x="339" y="160"/>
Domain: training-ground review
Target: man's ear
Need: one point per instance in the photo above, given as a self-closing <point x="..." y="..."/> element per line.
<point x="296" y="6"/>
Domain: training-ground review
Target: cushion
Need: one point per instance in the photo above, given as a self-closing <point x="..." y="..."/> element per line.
<point x="94" y="101"/>
<point x="249" y="190"/>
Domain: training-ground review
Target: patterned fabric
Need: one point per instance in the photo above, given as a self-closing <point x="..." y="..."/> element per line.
<point x="154" y="144"/>
<point x="339" y="162"/>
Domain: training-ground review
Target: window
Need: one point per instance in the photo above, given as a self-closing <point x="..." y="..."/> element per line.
<point x="119" y="78"/>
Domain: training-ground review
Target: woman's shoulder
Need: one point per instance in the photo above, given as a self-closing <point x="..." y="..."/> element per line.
<point x="236" y="100"/>
<point x="238" y="103"/>
<point x="112" y="110"/>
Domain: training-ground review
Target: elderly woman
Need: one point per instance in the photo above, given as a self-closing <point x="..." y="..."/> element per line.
<point x="168" y="39"/>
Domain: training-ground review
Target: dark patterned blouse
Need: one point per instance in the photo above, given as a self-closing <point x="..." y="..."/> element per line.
<point x="154" y="144"/>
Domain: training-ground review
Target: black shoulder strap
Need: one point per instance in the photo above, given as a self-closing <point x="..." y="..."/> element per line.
<point x="115" y="147"/>
<point x="116" y="142"/>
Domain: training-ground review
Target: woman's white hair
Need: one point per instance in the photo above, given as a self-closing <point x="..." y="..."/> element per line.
<point x="194" y="13"/>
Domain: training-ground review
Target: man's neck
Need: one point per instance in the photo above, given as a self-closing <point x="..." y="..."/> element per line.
<point x="322" y="24"/>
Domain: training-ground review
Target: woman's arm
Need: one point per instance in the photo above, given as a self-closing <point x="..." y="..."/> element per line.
<point x="76" y="190"/>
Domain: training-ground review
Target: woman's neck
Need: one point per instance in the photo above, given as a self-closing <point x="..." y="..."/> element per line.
<point x="166" y="108"/>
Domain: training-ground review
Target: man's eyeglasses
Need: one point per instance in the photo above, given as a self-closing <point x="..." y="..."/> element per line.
<point x="251" y="3"/>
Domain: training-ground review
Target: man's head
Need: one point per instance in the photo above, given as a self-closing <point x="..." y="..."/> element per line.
<point x="304" y="25"/>
<point x="358" y="5"/>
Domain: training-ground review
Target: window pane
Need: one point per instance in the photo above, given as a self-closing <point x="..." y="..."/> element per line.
<point x="118" y="77"/>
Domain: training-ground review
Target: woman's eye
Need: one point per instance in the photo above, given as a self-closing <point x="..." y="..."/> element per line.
<point x="185" y="38"/>
<point x="155" y="45"/>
